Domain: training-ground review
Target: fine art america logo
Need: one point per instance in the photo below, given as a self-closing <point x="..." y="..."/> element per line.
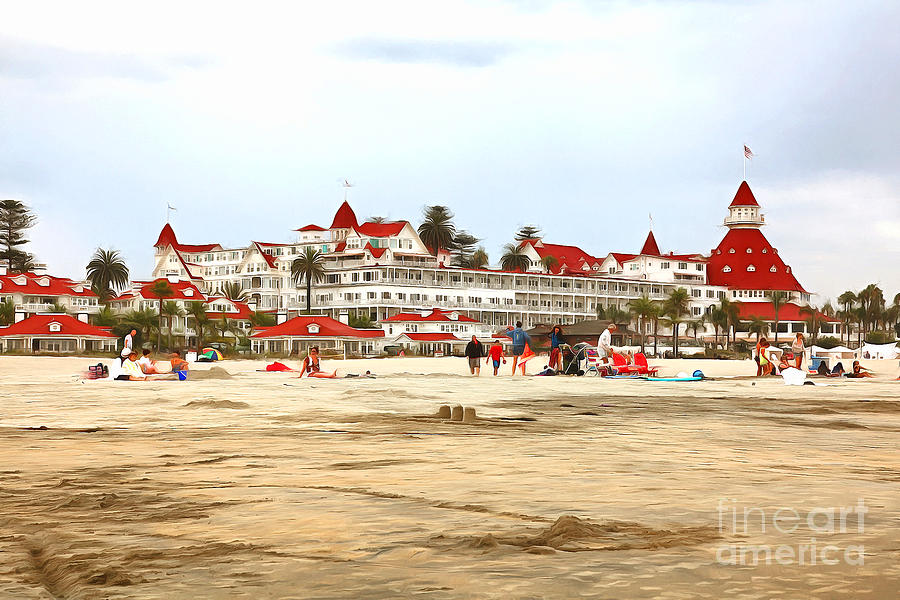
<point x="807" y="528"/>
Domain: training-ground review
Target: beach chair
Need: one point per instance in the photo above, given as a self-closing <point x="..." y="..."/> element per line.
<point x="642" y="366"/>
<point x="593" y="364"/>
<point x="621" y="365"/>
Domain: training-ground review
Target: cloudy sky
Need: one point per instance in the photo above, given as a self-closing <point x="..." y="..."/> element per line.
<point x="580" y="117"/>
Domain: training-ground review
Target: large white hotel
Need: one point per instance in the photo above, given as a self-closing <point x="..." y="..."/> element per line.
<point x="382" y="269"/>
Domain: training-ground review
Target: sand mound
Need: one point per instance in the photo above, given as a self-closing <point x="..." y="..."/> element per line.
<point x="571" y="534"/>
<point x="212" y="373"/>
<point x="216" y="404"/>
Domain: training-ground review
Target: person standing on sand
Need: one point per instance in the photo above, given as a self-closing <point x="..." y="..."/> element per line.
<point x="127" y="346"/>
<point x="798" y="348"/>
<point x="521" y="343"/>
<point x="556" y="338"/>
<point x="474" y="352"/>
<point x="604" y="343"/>
<point x="495" y="354"/>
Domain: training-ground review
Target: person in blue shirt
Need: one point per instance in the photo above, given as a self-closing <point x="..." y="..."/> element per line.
<point x="521" y="346"/>
<point x="556" y="338"/>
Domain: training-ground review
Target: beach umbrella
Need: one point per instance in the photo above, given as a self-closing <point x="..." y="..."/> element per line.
<point x="211" y="353"/>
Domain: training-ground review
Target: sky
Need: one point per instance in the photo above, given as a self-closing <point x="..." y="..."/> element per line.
<point x="583" y="118"/>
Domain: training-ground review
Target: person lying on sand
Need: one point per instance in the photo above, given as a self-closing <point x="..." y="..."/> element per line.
<point x="859" y="371"/>
<point x="311" y="366"/>
<point x="131" y="371"/>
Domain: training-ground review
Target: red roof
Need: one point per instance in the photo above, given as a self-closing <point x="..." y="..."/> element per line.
<point x="787" y="312"/>
<point x="376" y="252"/>
<point x="379" y="230"/>
<point x="623" y="258"/>
<point x="243" y="310"/>
<point x="180" y="288"/>
<point x="650" y="246"/>
<point x="436" y="314"/>
<point x="572" y="258"/>
<point x="311" y="227"/>
<point x="167" y="238"/>
<point x="39" y="325"/>
<point x="344" y="218"/>
<point x="769" y="271"/>
<point x="340" y="247"/>
<point x="328" y="327"/>
<point x="744" y="197"/>
<point x="432" y="337"/>
<point x="270" y="260"/>
<point x="31" y="283"/>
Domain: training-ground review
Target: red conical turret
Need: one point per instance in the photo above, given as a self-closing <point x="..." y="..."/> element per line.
<point x="344" y="218"/>
<point x="650" y="247"/>
<point x="744" y="197"/>
<point x="166" y="237"/>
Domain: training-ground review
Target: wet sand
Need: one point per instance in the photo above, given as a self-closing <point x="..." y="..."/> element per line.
<point x="267" y="486"/>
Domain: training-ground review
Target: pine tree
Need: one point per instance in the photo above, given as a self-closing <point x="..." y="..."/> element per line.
<point x="15" y="220"/>
<point x="528" y="232"/>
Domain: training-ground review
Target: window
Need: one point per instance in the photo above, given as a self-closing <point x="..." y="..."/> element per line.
<point x="664" y="265"/>
<point x="682" y="266"/>
<point x="750" y="268"/>
<point x="773" y="269"/>
<point x="697" y="311"/>
<point x="764" y="250"/>
<point x="726" y="269"/>
<point x="749" y="251"/>
<point x="698" y="266"/>
<point x="635" y="266"/>
<point x="731" y="251"/>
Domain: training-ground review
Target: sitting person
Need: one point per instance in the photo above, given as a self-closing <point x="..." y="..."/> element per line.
<point x="311" y="366"/>
<point x="837" y="370"/>
<point x="859" y="371"/>
<point x="147" y="364"/>
<point x="765" y="364"/>
<point x="178" y="363"/>
<point x="786" y="362"/>
<point x="131" y="370"/>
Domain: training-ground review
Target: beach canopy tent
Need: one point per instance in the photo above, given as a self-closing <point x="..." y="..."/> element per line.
<point x="55" y="333"/>
<point x="210" y="354"/>
<point x="836" y="352"/>
<point x="879" y="351"/>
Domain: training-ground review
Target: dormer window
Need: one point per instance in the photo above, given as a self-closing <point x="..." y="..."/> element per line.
<point x="312" y="329"/>
<point x="731" y="251"/>
<point x="43" y="281"/>
<point x="750" y="268"/>
<point x="764" y="250"/>
<point x="749" y="250"/>
<point x="726" y="269"/>
<point x="773" y="269"/>
<point x="787" y="270"/>
<point x="188" y="293"/>
<point x="55" y="327"/>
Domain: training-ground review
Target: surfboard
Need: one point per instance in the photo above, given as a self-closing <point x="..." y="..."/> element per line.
<point x="672" y="378"/>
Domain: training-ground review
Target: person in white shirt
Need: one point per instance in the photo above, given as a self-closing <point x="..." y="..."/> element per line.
<point x="604" y="343"/>
<point x="131" y="371"/>
<point x="128" y="345"/>
<point x="147" y="365"/>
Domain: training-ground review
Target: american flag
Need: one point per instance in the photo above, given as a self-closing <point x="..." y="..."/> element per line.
<point x="748" y="153"/>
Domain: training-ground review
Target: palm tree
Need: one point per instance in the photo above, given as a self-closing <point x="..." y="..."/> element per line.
<point x="261" y="319"/>
<point x="437" y="230"/>
<point x="778" y="299"/>
<point x="172" y="309"/>
<point x="105" y="317"/>
<point x="675" y="309"/>
<point x="549" y="262"/>
<point x="847" y="299"/>
<point x="375" y="220"/>
<point x="732" y="317"/>
<point x="107" y="273"/>
<point x="7" y="312"/>
<point x="309" y="266"/>
<point x="144" y="321"/>
<point x="160" y="290"/>
<point x="479" y="259"/>
<point x="197" y="311"/>
<point x="758" y="326"/>
<point x="813" y="320"/>
<point x="234" y="291"/>
<point x="56" y="307"/>
<point x="514" y="258"/>
<point x="718" y="319"/>
<point x="696" y="326"/>
<point x="642" y="308"/>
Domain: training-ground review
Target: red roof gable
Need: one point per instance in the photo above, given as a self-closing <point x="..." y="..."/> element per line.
<point x="56" y="286"/>
<point x="243" y="310"/>
<point x="381" y="229"/>
<point x="623" y="258"/>
<point x="344" y="218"/>
<point x="770" y="272"/>
<point x="328" y="327"/>
<point x="650" y="246"/>
<point x="436" y="314"/>
<point x="167" y="238"/>
<point x="180" y="287"/>
<point x="270" y="260"/>
<point x="311" y="227"/>
<point x="744" y="197"/>
<point x="787" y="312"/>
<point x="40" y="325"/>
<point x="376" y="252"/>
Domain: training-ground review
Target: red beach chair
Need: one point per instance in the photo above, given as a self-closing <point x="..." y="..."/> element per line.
<point x="640" y="362"/>
<point x="621" y="365"/>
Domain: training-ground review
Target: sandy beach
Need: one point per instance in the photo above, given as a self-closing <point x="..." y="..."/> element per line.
<point x="263" y="485"/>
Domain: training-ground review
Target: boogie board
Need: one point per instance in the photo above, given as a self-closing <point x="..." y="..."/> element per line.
<point x="672" y="378"/>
